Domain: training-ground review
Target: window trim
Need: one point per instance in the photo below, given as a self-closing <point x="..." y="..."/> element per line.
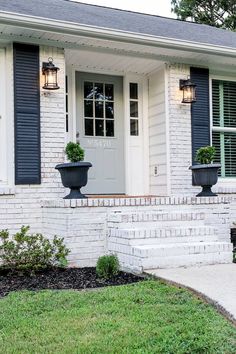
<point x="7" y="188"/>
<point x="3" y="122"/>
<point x="220" y="129"/>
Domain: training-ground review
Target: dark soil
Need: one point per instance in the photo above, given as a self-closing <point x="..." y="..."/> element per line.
<point x="70" y="278"/>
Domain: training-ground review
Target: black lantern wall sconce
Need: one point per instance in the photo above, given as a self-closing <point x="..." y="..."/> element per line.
<point x="189" y="91"/>
<point x="49" y="71"/>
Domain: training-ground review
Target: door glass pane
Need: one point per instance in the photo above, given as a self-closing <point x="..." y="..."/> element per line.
<point x="89" y="127"/>
<point x="110" y="128"/>
<point x="88" y="90"/>
<point x="99" y="109"/>
<point x="99" y="127"/>
<point x="109" y="92"/>
<point x="88" y="108"/>
<point x="134" y="127"/>
<point x="133" y="109"/>
<point x="133" y="91"/>
<point x="98" y="90"/>
<point x="110" y="110"/>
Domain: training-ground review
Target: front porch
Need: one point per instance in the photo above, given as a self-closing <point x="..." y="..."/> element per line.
<point x="114" y="117"/>
<point x="150" y="147"/>
<point x="145" y="232"/>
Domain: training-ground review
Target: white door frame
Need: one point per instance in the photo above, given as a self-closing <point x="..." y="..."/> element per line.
<point x="142" y="167"/>
<point x="137" y="147"/>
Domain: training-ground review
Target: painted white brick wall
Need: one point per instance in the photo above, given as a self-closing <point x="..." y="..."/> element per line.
<point x="180" y="133"/>
<point x="84" y="231"/>
<point x="22" y="205"/>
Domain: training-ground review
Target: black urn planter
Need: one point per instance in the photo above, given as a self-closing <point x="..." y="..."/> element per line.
<point x="233" y="237"/>
<point x="205" y="176"/>
<point x="74" y="175"/>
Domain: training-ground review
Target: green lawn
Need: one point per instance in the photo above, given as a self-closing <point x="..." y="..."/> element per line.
<point x="147" y="317"/>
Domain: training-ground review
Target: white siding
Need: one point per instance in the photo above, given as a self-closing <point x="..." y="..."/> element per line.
<point x="157" y="134"/>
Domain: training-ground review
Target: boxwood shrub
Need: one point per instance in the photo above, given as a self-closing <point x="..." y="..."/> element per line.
<point x="27" y="252"/>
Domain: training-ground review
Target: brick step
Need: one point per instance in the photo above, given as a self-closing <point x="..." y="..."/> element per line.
<point x="163" y="232"/>
<point x="156" y="225"/>
<point x="169" y="249"/>
<point x="181" y="249"/>
<point x="163" y="241"/>
<point x="186" y="260"/>
<point x="175" y="240"/>
<point x="153" y="216"/>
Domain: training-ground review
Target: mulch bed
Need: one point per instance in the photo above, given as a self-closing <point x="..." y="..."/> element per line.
<point x="70" y="278"/>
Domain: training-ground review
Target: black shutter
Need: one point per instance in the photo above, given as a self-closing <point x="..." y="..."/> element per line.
<point x="200" y="110"/>
<point x="27" y="114"/>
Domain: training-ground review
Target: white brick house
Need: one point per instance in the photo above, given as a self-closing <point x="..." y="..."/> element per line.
<point x="140" y="144"/>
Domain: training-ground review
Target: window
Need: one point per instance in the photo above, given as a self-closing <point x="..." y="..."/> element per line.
<point x="134" y="109"/>
<point x="224" y="125"/>
<point x="99" y="109"/>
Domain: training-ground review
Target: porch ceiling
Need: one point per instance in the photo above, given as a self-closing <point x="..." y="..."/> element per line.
<point x="113" y="48"/>
<point x="111" y="62"/>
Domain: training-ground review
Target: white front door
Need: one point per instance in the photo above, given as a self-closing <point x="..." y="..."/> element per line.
<point x="100" y="131"/>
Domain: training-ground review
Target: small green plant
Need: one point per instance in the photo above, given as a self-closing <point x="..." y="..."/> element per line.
<point x="206" y="154"/>
<point x="31" y="252"/>
<point x="74" y="152"/>
<point x="234" y="255"/>
<point x="107" y="266"/>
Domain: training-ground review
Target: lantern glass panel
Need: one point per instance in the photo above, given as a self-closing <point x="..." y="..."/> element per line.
<point x="189" y="94"/>
<point x="51" y="78"/>
<point x="50" y="75"/>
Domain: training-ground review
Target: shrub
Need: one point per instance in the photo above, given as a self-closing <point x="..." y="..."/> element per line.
<point x="74" y="152"/>
<point x="107" y="266"/>
<point x="28" y="253"/>
<point x="206" y="154"/>
<point x="234" y="255"/>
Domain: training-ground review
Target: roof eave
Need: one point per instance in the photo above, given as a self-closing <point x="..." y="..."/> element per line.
<point x="75" y="29"/>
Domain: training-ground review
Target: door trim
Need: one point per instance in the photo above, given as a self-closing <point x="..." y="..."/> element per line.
<point x="71" y="73"/>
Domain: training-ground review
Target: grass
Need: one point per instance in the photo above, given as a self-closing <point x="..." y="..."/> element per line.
<point x="147" y="317"/>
